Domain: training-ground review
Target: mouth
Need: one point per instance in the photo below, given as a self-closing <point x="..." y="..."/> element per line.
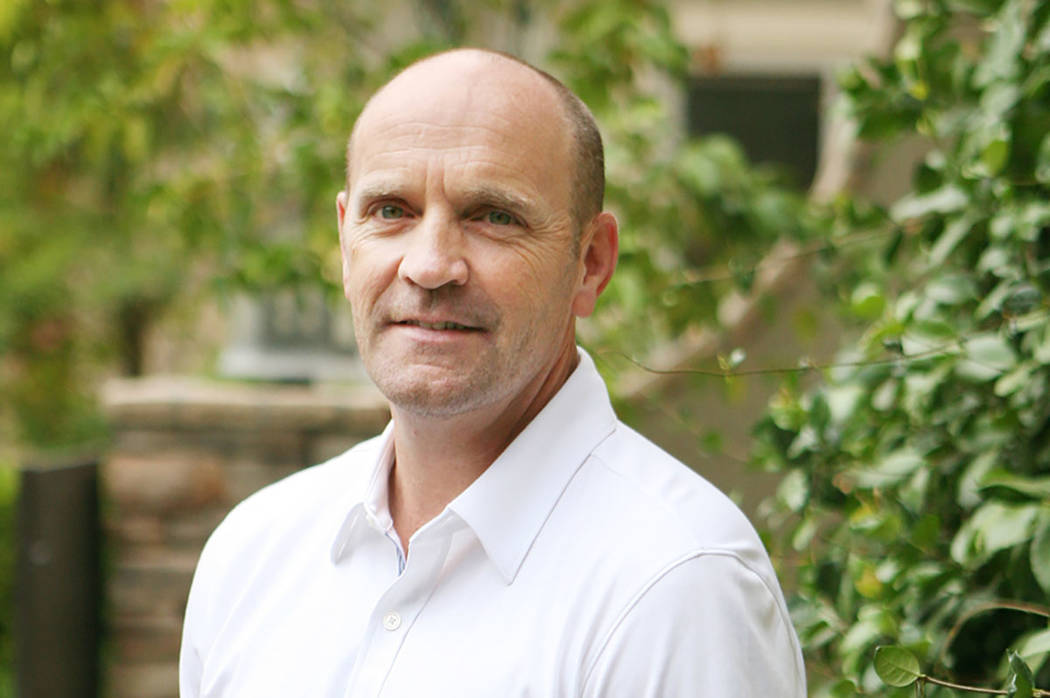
<point x="438" y="325"/>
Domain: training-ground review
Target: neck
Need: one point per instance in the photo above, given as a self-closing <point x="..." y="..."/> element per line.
<point x="436" y="458"/>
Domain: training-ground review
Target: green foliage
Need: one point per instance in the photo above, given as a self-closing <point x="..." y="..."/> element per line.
<point x="676" y="202"/>
<point x="916" y="474"/>
<point x="898" y="667"/>
<point x="155" y="153"/>
<point x="138" y="138"/>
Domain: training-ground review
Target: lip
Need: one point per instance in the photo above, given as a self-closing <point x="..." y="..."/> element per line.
<point x="437" y="325"/>
<point x="436" y="332"/>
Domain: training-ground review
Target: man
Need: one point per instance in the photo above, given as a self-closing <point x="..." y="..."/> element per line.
<point x="505" y="535"/>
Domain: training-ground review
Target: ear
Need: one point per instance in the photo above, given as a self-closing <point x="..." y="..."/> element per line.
<point x="600" y="246"/>
<point x="340" y="211"/>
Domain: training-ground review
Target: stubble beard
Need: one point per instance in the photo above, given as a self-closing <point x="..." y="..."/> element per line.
<point x="497" y="374"/>
<point x="431" y="386"/>
<point x="447" y="392"/>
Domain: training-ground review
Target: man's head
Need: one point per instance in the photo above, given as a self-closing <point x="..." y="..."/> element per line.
<point x="467" y="248"/>
<point x="588" y="183"/>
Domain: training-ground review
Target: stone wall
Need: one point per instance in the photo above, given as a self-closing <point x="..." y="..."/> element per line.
<point x="185" y="451"/>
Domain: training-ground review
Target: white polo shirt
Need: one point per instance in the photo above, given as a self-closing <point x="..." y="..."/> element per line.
<point x="584" y="562"/>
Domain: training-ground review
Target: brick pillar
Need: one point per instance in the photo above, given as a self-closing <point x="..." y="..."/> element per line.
<point x="184" y="452"/>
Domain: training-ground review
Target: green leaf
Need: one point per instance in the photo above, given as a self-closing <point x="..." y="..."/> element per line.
<point x="868" y="301"/>
<point x="947" y="199"/>
<point x="1002" y="60"/>
<point x="1042" y="164"/>
<point x="995" y="259"/>
<point x="1021" y="682"/>
<point x="995" y="155"/>
<point x="1015" y="380"/>
<point x="1034" y="646"/>
<point x="843" y="688"/>
<point x="951" y="289"/>
<point x="908" y="9"/>
<point x="1033" y="487"/>
<point x="794" y="490"/>
<point x="1040" y="347"/>
<point x="987" y="356"/>
<point x="843" y="402"/>
<point x="896" y="666"/>
<point x="1023" y="298"/>
<point x="993" y="527"/>
<point x="969" y="483"/>
<point x="803" y="535"/>
<point x="976" y="6"/>
<point x="954" y="233"/>
<point x="891" y="469"/>
<point x="1039" y="554"/>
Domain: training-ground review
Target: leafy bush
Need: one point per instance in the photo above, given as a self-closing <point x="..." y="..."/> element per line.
<point x="917" y="474"/>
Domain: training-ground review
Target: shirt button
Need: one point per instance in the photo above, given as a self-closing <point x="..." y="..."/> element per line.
<point x="392" y="621"/>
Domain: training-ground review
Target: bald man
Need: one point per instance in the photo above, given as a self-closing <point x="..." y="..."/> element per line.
<point x="505" y="535"/>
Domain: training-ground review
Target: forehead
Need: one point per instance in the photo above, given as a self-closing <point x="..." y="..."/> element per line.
<point x="479" y="118"/>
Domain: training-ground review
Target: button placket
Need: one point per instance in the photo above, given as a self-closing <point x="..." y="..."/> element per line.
<point x="395" y="613"/>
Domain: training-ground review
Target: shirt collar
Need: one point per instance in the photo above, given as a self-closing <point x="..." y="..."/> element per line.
<point x="366" y="500"/>
<point x="508" y="504"/>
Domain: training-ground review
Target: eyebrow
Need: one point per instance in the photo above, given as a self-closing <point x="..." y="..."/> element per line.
<point x="483" y="195"/>
<point x="469" y="198"/>
<point x="377" y="190"/>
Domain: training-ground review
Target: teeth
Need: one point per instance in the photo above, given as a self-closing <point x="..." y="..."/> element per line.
<point x="439" y="325"/>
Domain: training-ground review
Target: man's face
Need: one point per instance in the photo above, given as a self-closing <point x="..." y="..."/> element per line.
<point x="457" y="237"/>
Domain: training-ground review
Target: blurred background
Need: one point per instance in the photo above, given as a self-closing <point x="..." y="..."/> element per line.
<point x="830" y="300"/>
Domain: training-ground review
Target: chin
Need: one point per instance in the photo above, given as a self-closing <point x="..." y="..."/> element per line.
<point x="439" y="396"/>
<point x="428" y="403"/>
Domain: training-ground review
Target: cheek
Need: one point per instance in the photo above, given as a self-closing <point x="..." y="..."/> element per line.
<point x="536" y="292"/>
<point x="368" y="276"/>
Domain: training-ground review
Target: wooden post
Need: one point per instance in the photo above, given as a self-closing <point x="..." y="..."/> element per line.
<point x="57" y="582"/>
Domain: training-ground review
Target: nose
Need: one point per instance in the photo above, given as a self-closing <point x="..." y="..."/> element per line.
<point x="435" y="254"/>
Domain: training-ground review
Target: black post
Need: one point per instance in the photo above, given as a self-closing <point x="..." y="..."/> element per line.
<point x="57" y="583"/>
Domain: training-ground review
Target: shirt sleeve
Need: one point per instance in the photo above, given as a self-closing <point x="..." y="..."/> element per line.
<point x="191" y="664"/>
<point x="707" y="626"/>
<point x="199" y="621"/>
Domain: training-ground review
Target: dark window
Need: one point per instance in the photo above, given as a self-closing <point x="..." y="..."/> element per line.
<point x="775" y="118"/>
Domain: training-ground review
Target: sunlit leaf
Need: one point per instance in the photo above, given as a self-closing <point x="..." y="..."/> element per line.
<point x="993" y="527"/>
<point x="896" y="666"/>
<point x="945" y="200"/>
<point x="1020" y="682"/>
<point x="986" y="356"/>
<point x="1039" y="554"/>
<point x="1034" y="487"/>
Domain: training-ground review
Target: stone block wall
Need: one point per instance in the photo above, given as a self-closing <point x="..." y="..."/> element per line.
<point x="184" y="452"/>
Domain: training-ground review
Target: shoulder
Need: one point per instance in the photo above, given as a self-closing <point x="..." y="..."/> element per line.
<point x="285" y="525"/>
<point x="706" y="625"/>
<point x="632" y="504"/>
<point x="698" y="581"/>
<point x="667" y="500"/>
<point x="290" y="510"/>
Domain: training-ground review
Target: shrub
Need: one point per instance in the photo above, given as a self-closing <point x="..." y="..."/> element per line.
<point x="917" y="474"/>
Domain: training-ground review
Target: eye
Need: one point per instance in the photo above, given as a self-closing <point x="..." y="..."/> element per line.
<point x="497" y="217"/>
<point x="391" y="212"/>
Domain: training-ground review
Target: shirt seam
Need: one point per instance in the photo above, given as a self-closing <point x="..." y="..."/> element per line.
<point x="673" y="565"/>
<point x="509" y="579"/>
